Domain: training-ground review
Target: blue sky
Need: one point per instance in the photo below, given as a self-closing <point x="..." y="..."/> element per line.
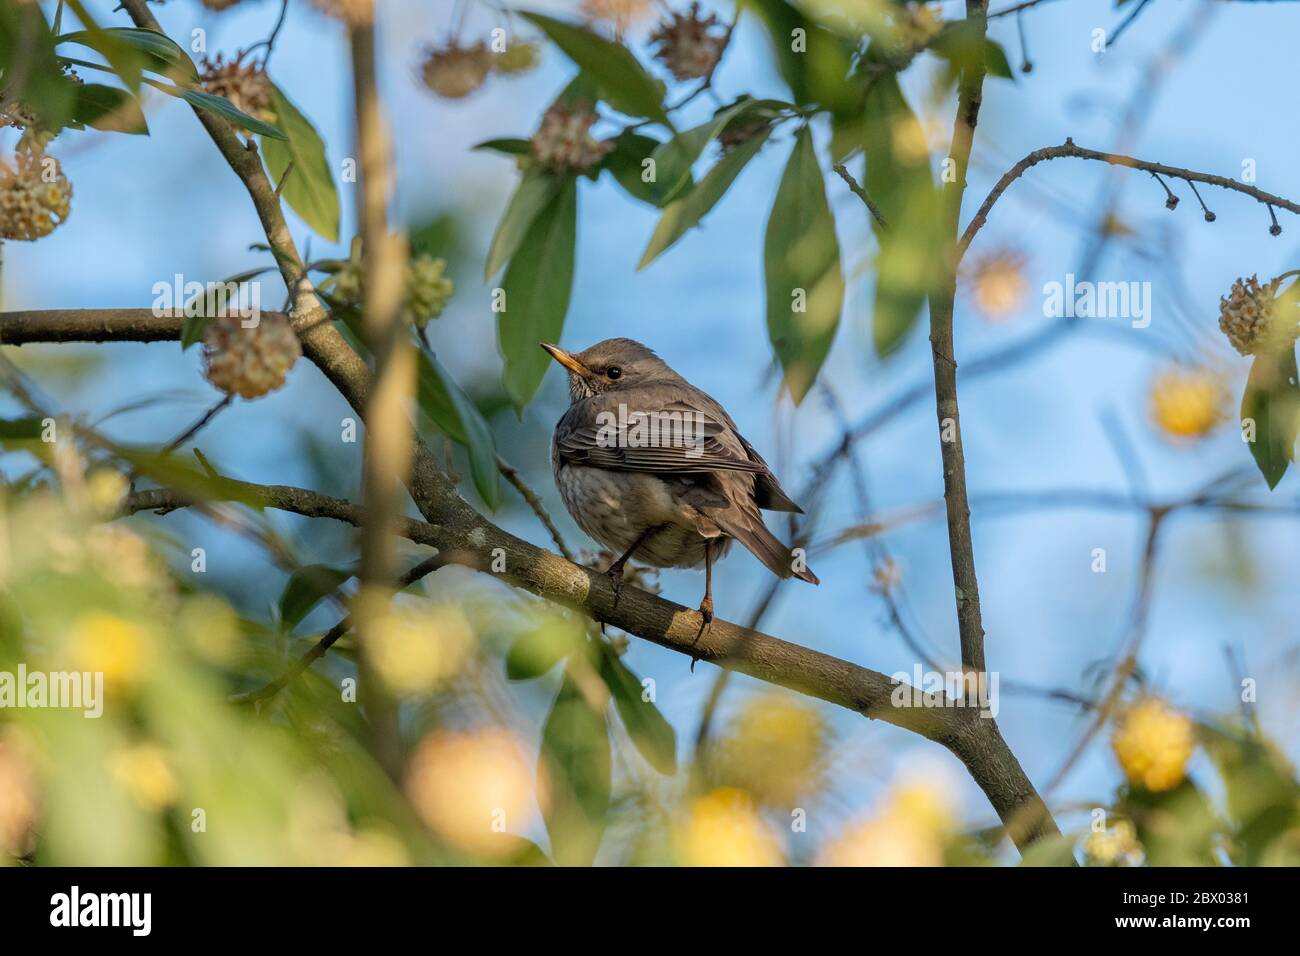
<point x="145" y="208"/>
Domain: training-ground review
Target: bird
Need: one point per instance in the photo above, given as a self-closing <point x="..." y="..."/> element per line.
<point x="655" y="470"/>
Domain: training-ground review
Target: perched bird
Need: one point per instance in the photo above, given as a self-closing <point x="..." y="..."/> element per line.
<point x="655" y="470"/>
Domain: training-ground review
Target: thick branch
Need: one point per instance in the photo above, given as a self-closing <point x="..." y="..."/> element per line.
<point x="1069" y="150"/>
<point x="974" y="740"/>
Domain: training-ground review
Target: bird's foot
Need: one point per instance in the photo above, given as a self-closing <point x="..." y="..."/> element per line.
<point x="706" y="618"/>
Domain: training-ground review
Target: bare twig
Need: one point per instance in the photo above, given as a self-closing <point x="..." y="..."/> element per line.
<point x="511" y="474"/>
<point x="1069" y="150"/>
<point x="861" y="193"/>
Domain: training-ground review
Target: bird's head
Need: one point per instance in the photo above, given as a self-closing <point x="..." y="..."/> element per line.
<point x="609" y="366"/>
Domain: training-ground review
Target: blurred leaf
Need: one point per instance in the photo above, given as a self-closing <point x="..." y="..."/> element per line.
<point x="545" y="643"/>
<point x="1054" y="850"/>
<point x="1177" y="827"/>
<point x="161" y="54"/>
<point x="624" y="83"/>
<point x="108" y="108"/>
<point x="32" y="72"/>
<point x="442" y="399"/>
<point x="626" y="163"/>
<point x="511" y="146"/>
<point x="310" y="189"/>
<point x="20" y="428"/>
<point x="653" y="735"/>
<point x="577" y="764"/>
<point x="186" y="477"/>
<point x="675" y="158"/>
<point x="537" y="286"/>
<point x="899" y="180"/>
<point x="533" y="194"/>
<point x="817" y="73"/>
<point x="307" y="587"/>
<point x="685" y="212"/>
<point x="805" y="288"/>
<point x="1263" y="798"/>
<point x="995" y="61"/>
<point x="1272" y="401"/>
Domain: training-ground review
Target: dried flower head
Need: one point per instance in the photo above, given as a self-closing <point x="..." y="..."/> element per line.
<point x="454" y="71"/>
<point x="35" y="196"/>
<point x="245" y="84"/>
<point x="249" y="362"/>
<point x="352" y="12"/>
<point x="620" y="14"/>
<point x="1248" y="316"/>
<point x="690" y="44"/>
<point x="563" y="142"/>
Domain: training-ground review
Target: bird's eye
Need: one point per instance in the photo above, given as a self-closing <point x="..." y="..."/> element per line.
<point x="613" y="372"/>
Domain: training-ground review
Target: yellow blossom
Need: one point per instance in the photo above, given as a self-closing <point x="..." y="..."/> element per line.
<point x="1153" y="742"/>
<point x="143" y="771"/>
<point x="724" y="828"/>
<point x="470" y="788"/>
<point x="1188" y="402"/>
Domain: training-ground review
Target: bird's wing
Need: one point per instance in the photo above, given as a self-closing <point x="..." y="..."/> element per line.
<point x="677" y="437"/>
<point x="768" y="493"/>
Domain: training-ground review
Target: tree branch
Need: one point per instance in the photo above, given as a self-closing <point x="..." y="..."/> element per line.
<point x="960" y="544"/>
<point x="1069" y="150"/>
<point x="976" y="741"/>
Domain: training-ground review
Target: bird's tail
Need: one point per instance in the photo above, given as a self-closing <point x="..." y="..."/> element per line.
<point x="750" y="531"/>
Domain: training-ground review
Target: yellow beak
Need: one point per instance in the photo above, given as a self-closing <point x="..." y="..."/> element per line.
<point x="567" y="359"/>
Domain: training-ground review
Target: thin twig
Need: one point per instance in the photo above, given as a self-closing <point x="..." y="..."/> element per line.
<point x="1068" y="150"/>
<point x="861" y="193"/>
<point x="511" y="474"/>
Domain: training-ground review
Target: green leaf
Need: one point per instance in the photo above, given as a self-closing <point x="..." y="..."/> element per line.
<point x="108" y="108"/>
<point x="32" y="72"/>
<point x="995" y="61"/>
<point x="674" y="159"/>
<point x="20" y="429"/>
<point x="533" y="194"/>
<point x="626" y="163"/>
<point x="1271" y="403"/>
<point x="223" y="108"/>
<point x="653" y="736"/>
<point x="537" y="286"/>
<point x="307" y="587"/>
<point x="1263" y="798"/>
<point x="160" y="54"/>
<point x="805" y="288"/>
<point x="900" y="182"/>
<point x="510" y="146"/>
<point x="575" y="762"/>
<point x="817" y="70"/>
<point x="548" y="641"/>
<point x="310" y="189"/>
<point x="687" y="211"/>
<point x="1176" y="827"/>
<point x="442" y="399"/>
<point x="624" y="83"/>
<point x="1054" y="850"/>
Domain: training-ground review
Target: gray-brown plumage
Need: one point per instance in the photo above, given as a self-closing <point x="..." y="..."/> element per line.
<point x="655" y="470"/>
